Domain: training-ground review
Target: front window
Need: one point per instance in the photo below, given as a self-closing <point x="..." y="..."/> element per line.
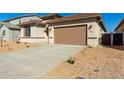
<point x="27" y="31"/>
<point x="4" y="33"/>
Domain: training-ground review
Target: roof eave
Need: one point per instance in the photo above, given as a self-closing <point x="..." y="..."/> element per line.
<point x="20" y="17"/>
<point x="121" y="22"/>
<point x="73" y="19"/>
<point x="100" y="20"/>
<point x="31" y="24"/>
<point x="15" y="28"/>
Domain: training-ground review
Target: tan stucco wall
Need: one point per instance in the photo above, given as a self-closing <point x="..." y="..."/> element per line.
<point x="93" y="34"/>
<point x="37" y="35"/>
<point x="98" y="33"/>
<point x="38" y="32"/>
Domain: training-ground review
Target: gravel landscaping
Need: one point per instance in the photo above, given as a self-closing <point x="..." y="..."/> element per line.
<point x="14" y="46"/>
<point x="93" y="63"/>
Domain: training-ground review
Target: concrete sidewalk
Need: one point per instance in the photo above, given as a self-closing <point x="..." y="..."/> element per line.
<point x="34" y="62"/>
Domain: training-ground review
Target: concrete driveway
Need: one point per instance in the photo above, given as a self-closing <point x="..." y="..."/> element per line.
<point x="34" y="62"/>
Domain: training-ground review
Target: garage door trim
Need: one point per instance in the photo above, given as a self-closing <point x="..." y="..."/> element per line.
<point x="72" y="25"/>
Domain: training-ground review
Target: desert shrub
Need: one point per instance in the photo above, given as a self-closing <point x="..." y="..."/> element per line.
<point x="27" y="46"/>
<point x="96" y="70"/>
<point x="89" y="46"/>
<point x="26" y="43"/>
<point x="18" y="42"/>
<point x="79" y="77"/>
<point x="71" y="60"/>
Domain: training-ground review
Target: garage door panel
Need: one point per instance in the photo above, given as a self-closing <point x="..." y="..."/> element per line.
<point x="71" y="35"/>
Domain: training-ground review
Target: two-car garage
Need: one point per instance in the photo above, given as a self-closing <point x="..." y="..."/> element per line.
<point x="78" y="29"/>
<point x="74" y="35"/>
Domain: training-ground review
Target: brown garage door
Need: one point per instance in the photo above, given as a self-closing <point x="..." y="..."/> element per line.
<point x="74" y="35"/>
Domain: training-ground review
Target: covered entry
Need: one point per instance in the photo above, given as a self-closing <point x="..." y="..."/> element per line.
<point x="74" y="35"/>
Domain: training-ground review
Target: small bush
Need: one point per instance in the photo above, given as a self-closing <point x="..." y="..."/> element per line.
<point x="96" y="70"/>
<point x="26" y="43"/>
<point x="27" y="46"/>
<point x="89" y="46"/>
<point x="79" y="77"/>
<point x="71" y="60"/>
<point x="18" y="42"/>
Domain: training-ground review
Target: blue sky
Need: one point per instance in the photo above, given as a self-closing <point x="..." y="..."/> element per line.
<point x="111" y="20"/>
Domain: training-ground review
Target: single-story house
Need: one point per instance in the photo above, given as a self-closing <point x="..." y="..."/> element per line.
<point x="35" y="31"/>
<point x="78" y="29"/>
<point x="9" y="31"/>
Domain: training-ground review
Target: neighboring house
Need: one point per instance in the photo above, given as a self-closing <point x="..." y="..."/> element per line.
<point x="120" y="31"/>
<point x="9" y="31"/>
<point x="78" y="29"/>
<point x="120" y="27"/>
<point x="21" y="19"/>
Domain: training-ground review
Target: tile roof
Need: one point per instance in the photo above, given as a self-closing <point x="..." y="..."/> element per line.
<point x="51" y="16"/>
<point x="74" y="17"/>
<point x="78" y="17"/>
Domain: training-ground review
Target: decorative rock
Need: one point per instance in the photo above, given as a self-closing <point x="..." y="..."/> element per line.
<point x="79" y="77"/>
<point x="96" y="70"/>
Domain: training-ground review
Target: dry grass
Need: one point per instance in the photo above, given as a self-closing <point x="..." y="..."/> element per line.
<point x="93" y="63"/>
<point x="13" y="46"/>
